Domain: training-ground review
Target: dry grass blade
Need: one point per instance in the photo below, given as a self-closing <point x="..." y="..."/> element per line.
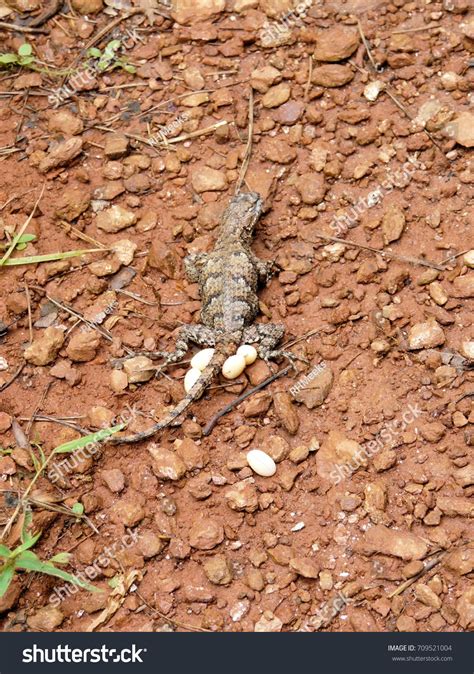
<point x="49" y="257"/>
<point x="248" y="149"/>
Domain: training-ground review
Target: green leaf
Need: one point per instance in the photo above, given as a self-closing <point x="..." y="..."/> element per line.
<point x="26" y="238"/>
<point x="114" y="45"/>
<point x="8" y="58"/>
<point x="129" y="68"/>
<point x="61" y="558"/>
<point x="4" y="551"/>
<point x="6" y="574"/>
<point x="78" y="509"/>
<point x="26" y="60"/>
<point x="93" y="51"/>
<point x="92" y="438"/>
<point x="28" y="542"/>
<point x="30" y="562"/>
<point x="25" y="49"/>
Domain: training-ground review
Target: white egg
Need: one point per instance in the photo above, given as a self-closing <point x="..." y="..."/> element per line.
<point x="202" y="359"/>
<point x="233" y="366"/>
<point x="248" y="352"/>
<point x="261" y="463"/>
<point x="191" y="378"/>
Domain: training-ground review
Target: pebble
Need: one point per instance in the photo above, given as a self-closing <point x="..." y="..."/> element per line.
<point x="218" y="569"/>
<point x="191" y="378"/>
<point x="114" y="479"/>
<point x="118" y="381"/>
<point x="261" y="463"/>
<point x="467" y="349"/>
<point x="305" y="566"/>
<point x="262" y="79"/>
<point x="73" y="201"/>
<point x="248" y="352"/>
<point x="46" y="619"/>
<point x="167" y="465"/>
<point x="468" y="259"/>
<point x="164" y="258"/>
<point x="45" y="349"/>
<point x="463" y="286"/>
<point x="465" y="608"/>
<point x="207" y="179"/>
<point x="425" y="336"/>
<point x="463" y="129"/>
<point x="316" y="388"/>
<point x="127" y="512"/>
<point x="64" y="121"/>
<point x="437" y="293"/>
<point x="242" y="496"/>
<point x="336" y="43"/>
<point x="139" y="369"/>
<point x="85" y="7"/>
<point x="336" y="450"/>
<point x="124" y="250"/>
<point x="268" y="623"/>
<point x="373" y="89"/>
<point x="115" y="218"/>
<point x="233" y="366"/>
<point x="83" y="346"/>
<point x="205" y="533"/>
<point x="116" y="145"/>
<point x="61" y="154"/>
<point x="276" y="95"/>
<point x="389" y="541"/>
<point x="311" y="187"/>
<point x="393" y="223"/>
<point x="189" y="13"/>
<point x="5" y="422"/>
<point x="332" y="75"/>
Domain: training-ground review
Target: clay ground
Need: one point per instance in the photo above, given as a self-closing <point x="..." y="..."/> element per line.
<point x="365" y="525"/>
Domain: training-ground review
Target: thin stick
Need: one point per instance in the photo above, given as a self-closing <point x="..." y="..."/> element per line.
<point x="210" y="425"/>
<point x="37" y="408"/>
<point x="366" y="45"/>
<point x="378" y="251"/>
<point x="80" y="235"/>
<point x="28" y="303"/>
<point x="10" y="381"/>
<point x="308" y="82"/>
<point x="21" y="29"/>
<point x="430" y="26"/>
<point x="248" y="148"/>
<point x="427" y="567"/>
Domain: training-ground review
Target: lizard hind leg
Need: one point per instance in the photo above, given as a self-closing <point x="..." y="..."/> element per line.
<point x="198" y="334"/>
<point x="268" y="336"/>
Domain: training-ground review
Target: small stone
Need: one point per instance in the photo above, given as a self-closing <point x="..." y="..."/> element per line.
<point x="5" y="422"/>
<point x="46" y="619"/>
<point x="425" y="336"/>
<point x="114" y="479"/>
<point x="262" y="79"/>
<point x="268" y="623"/>
<point x="83" y="346"/>
<point x="124" y="250"/>
<point x="61" y="154"/>
<point x="462" y="129"/>
<point x="206" y="179"/>
<point x="45" y="349"/>
<point x="286" y="412"/>
<point x="276" y="95"/>
<point x="305" y="566"/>
<point x="138" y="183"/>
<point x="465" y="608"/>
<point x="338" y="452"/>
<point x="315" y="387"/>
<point x="115" y="218"/>
<point x="413" y="568"/>
<point x="64" y="121"/>
<point x="437" y="293"/>
<point x="197" y="11"/>
<point x="432" y="431"/>
<point x="139" y="369"/>
<point x="164" y="258"/>
<point x="7" y="466"/>
<point x="149" y="544"/>
<point x="277" y="150"/>
<point x="406" y="623"/>
<point x="468" y="259"/>
<point x="299" y="454"/>
<point x="373" y="89"/>
<point x="104" y="267"/>
<point x="402" y="544"/>
<point x="312" y="187"/>
<point x="100" y="417"/>
<point x="336" y="43"/>
<point x="393" y="223"/>
<point x="73" y="202"/>
<point x="116" y="146"/>
<point x="167" y="465"/>
<point x="277" y="447"/>
<point x="255" y="580"/>
<point x="118" y="381"/>
<point x="87" y="6"/>
<point x="126" y="512"/>
<point x="206" y="533"/>
<point x="461" y="561"/>
<point x="463" y="286"/>
<point x="218" y="569"/>
<point x="456" y="505"/>
<point x="242" y="496"/>
<point x="426" y="595"/>
<point x="332" y="75"/>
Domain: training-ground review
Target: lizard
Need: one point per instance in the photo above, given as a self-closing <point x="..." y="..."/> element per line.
<point x="228" y="279"/>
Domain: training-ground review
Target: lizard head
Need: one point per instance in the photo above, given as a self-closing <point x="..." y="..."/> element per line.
<point x="242" y="214"/>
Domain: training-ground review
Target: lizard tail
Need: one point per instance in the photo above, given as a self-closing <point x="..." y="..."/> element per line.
<point x="195" y="392"/>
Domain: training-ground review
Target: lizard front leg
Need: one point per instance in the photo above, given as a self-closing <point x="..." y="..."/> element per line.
<point x="265" y="270"/>
<point x="194" y="264"/>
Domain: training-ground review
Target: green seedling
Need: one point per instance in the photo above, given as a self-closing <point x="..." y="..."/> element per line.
<point x="23" y="58"/>
<point x="109" y="58"/>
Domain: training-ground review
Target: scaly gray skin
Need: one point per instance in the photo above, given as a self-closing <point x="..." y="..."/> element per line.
<point x="228" y="278"/>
